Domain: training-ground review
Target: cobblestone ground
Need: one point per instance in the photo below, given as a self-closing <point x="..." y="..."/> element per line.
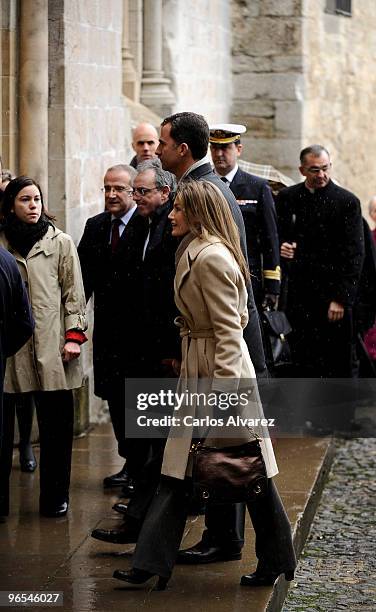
<point x="337" y="570"/>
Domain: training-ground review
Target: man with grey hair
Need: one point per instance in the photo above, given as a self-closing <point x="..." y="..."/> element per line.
<point x="158" y="341"/>
<point x="322" y="247"/>
<point x="152" y="188"/>
<point x="110" y="254"/>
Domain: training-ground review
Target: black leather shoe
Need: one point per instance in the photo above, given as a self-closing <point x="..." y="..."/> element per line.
<point x="124" y="535"/>
<point x="136" y="576"/>
<point x="120" y="507"/>
<point x="207" y="553"/>
<point x="28" y="462"/>
<point x="54" y="511"/>
<point x="128" y="489"/>
<point x="120" y="479"/>
<point x="261" y="580"/>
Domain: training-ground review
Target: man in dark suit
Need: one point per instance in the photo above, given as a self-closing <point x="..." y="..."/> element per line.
<point x="257" y="206"/>
<point x="157" y="338"/>
<point x="322" y="242"/>
<point x="110" y="255"/>
<point x="182" y="149"/>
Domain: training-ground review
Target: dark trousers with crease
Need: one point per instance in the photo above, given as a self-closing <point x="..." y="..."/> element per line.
<point x="163" y="528"/>
<point x="55" y="414"/>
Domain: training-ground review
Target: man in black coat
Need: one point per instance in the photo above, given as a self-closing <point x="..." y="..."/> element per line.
<point x="16" y="320"/>
<point x="157" y="337"/>
<point x="186" y="157"/>
<point x="110" y="253"/>
<point x="256" y="203"/>
<point x="322" y="243"/>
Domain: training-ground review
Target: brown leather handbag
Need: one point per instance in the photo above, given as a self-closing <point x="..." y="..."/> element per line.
<point x="228" y="475"/>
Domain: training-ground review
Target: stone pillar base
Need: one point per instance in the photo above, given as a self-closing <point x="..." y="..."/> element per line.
<point x="156" y="94"/>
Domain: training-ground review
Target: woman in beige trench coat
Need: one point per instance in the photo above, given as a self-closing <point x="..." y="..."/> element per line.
<point x="48" y="366"/>
<point x="210" y="293"/>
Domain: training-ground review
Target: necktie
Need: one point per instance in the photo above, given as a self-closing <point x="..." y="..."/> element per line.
<point x="152" y="227"/>
<point x="224" y="179"/>
<point x="115" y="234"/>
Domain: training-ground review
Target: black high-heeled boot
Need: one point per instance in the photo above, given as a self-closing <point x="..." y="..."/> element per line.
<point x="137" y="576"/>
<point x="261" y="579"/>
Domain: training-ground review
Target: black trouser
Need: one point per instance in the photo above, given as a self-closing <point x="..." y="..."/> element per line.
<point x="55" y="414"/>
<point x="163" y="528"/>
<point x="147" y="480"/>
<point x="321" y="348"/>
<point x="116" y="406"/>
<point x="225" y="526"/>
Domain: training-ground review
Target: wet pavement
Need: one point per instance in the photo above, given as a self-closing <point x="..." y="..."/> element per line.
<point x="337" y="570"/>
<point x="44" y="554"/>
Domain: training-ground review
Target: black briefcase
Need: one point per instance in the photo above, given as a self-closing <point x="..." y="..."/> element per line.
<point x="276" y="329"/>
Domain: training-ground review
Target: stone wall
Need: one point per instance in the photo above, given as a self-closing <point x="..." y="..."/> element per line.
<point x="304" y="76"/>
<point x="268" y="79"/>
<point x="197" y="47"/>
<point x="8" y="80"/>
<point x="88" y="120"/>
<point x="340" y="94"/>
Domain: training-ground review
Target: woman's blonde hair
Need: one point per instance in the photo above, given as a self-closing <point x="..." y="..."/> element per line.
<point x="207" y="212"/>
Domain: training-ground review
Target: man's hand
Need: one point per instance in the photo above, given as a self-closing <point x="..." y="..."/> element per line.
<point x="335" y="312"/>
<point x="71" y="351"/>
<point x="173" y="364"/>
<point x="270" y="301"/>
<point x="288" y="250"/>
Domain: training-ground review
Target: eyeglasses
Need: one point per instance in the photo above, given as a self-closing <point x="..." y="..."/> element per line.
<point x="142" y="191"/>
<point x="117" y="189"/>
<point x="317" y="169"/>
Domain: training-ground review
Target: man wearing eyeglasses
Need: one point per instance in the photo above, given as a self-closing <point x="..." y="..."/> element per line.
<point x="322" y="247"/>
<point x="110" y="254"/>
<point x="151" y="192"/>
<point x="157" y="337"/>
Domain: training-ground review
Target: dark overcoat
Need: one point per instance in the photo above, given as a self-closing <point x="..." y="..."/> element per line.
<point x="257" y="206"/>
<point x="160" y="337"/>
<point x="327" y="227"/>
<point x="114" y="282"/>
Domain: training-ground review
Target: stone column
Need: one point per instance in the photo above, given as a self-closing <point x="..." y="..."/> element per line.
<point x="131" y="84"/>
<point x="33" y="90"/>
<point x="155" y="88"/>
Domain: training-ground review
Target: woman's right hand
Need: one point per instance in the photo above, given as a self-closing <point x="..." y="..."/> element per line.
<point x="71" y="351"/>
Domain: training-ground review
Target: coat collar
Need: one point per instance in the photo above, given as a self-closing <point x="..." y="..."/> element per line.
<point x="46" y="243"/>
<point x="191" y="253"/>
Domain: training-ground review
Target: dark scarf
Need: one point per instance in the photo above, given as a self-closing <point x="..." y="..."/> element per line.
<point x="22" y="236"/>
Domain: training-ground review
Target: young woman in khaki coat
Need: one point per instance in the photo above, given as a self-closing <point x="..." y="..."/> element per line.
<point x="48" y="366"/>
<point x="210" y="292"/>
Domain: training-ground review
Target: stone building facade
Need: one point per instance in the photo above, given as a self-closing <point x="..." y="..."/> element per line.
<point x="303" y="73"/>
<point x="77" y="75"/>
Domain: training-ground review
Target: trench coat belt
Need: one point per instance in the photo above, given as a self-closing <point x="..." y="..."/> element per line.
<point x="187" y="335"/>
<point x="192" y="333"/>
